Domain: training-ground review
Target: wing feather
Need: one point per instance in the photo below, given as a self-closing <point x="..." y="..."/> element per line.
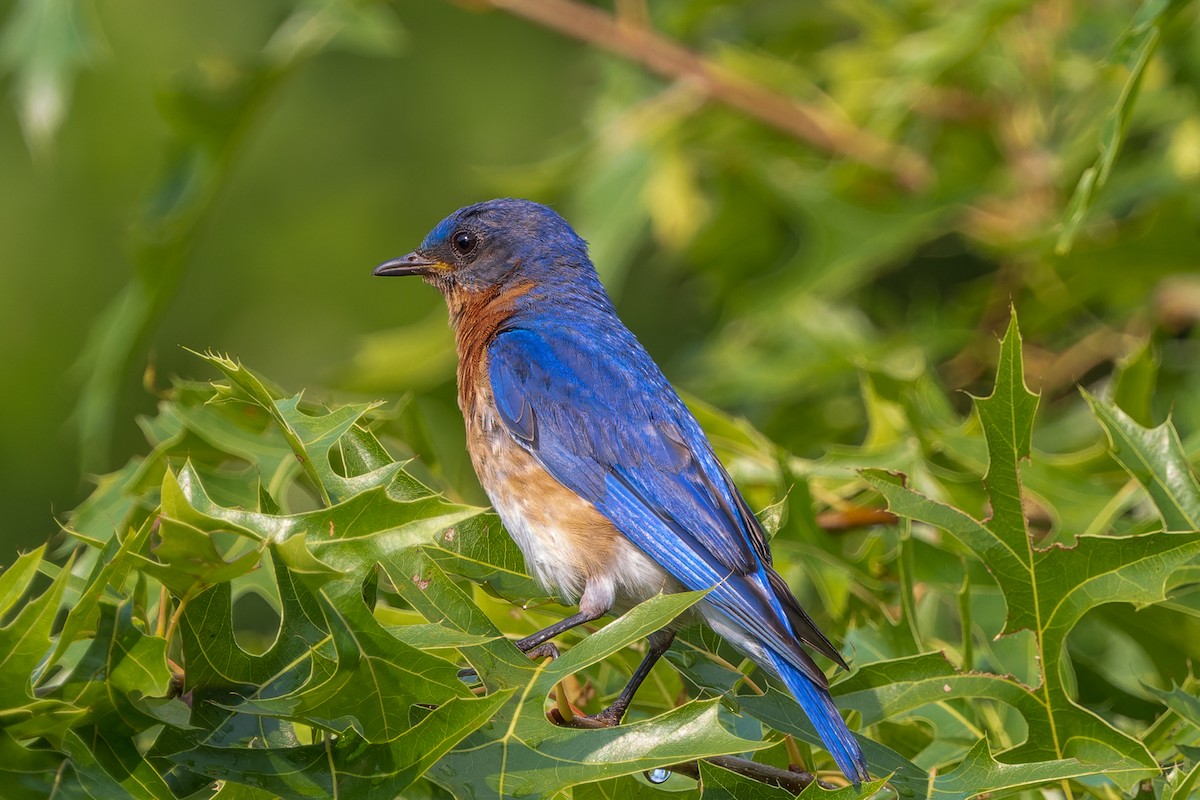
<point x="636" y="453"/>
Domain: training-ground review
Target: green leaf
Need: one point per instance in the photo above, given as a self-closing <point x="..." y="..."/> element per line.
<point x="25" y="641"/>
<point x="427" y="588"/>
<point x="348" y="766"/>
<point x="111" y="766"/>
<point x="1135" y="382"/>
<point x="113" y="563"/>
<point x="396" y="513"/>
<point x="368" y="29"/>
<point x="121" y="666"/>
<point x="45" y="43"/>
<point x="636" y="624"/>
<point x="782" y="713"/>
<point x="520" y="752"/>
<point x="196" y="550"/>
<point x="888" y="689"/>
<point x="333" y="665"/>
<point x="480" y="549"/>
<point x="1137" y="44"/>
<point x="1007" y="419"/>
<point x="16" y="580"/>
<point x="1182" y="784"/>
<point x="625" y="787"/>
<point x="1185" y="704"/>
<point x="311" y="437"/>
<point x="377" y="677"/>
<point x="28" y="774"/>
<point x="1048" y="590"/>
<point x="717" y="783"/>
<point x="864" y="790"/>
<point x="1155" y="457"/>
<point x="980" y="772"/>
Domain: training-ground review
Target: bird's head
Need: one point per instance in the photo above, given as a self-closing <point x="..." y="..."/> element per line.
<point x="495" y="245"/>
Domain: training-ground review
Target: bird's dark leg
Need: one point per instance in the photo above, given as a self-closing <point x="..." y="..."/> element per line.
<point x="660" y="642"/>
<point x="562" y="626"/>
<point x="535" y="643"/>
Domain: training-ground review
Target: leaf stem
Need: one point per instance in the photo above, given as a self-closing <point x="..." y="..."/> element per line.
<point x="964" y="615"/>
<point x="164" y="602"/>
<point x="794" y="756"/>
<point x="562" y="704"/>
<point x="908" y="600"/>
<point x="169" y="635"/>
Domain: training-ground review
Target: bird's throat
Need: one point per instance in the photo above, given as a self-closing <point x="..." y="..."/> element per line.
<point x="477" y="317"/>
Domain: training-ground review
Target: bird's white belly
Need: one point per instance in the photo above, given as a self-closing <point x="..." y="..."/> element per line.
<point x="570" y="548"/>
<point x="556" y="555"/>
<point x="550" y="553"/>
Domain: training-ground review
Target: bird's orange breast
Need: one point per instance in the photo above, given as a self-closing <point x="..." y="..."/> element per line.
<point x="567" y="543"/>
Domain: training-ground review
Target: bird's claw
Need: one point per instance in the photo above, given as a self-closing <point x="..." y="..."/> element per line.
<point x="544" y="650"/>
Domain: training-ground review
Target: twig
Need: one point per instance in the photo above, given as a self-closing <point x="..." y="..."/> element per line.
<point x="642" y="44"/>
<point x="793" y="781"/>
<point x="1061" y="371"/>
<point x="854" y="517"/>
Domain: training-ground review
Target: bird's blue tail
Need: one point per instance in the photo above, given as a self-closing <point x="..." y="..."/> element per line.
<point x="823" y="714"/>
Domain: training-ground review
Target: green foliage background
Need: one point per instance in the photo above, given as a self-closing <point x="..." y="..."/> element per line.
<point x="223" y="175"/>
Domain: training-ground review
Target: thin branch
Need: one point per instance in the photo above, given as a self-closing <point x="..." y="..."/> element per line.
<point x="854" y="517"/>
<point x="793" y="781"/>
<point x="642" y="44"/>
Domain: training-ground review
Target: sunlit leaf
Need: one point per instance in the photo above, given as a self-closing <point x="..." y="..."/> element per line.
<point x="348" y="766"/>
<point x="980" y="772"/>
<point x="1048" y="590"/>
<point x="721" y="784"/>
<point x="25" y="639"/>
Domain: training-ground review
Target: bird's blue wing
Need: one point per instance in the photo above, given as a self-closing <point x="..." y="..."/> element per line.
<point x="613" y="430"/>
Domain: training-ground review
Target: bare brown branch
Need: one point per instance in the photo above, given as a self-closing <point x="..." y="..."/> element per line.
<point x="640" y="43"/>
<point x="793" y="781"/>
<point x="849" y="518"/>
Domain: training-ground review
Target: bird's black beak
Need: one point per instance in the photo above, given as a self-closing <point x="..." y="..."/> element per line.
<point x="412" y="264"/>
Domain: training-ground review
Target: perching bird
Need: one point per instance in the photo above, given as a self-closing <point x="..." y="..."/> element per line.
<point x="595" y="466"/>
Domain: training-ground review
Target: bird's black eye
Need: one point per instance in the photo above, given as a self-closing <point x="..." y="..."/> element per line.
<point x="464" y="242"/>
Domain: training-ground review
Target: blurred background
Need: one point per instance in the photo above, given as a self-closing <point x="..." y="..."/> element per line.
<point x="790" y="202"/>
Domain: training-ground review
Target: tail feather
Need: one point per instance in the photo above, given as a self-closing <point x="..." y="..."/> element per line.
<point x="818" y="705"/>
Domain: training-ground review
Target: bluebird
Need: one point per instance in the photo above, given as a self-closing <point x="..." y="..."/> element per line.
<point x="597" y="469"/>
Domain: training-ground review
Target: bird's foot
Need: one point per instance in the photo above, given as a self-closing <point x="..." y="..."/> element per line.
<point x="545" y="650"/>
<point x="608" y="718"/>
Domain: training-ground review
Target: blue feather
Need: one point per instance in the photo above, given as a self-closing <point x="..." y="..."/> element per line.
<point x="823" y="714"/>
<point x="666" y="493"/>
<point x="576" y="390"/>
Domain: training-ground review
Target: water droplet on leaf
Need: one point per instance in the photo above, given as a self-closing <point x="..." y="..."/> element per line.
<point x="658" y="775"/>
